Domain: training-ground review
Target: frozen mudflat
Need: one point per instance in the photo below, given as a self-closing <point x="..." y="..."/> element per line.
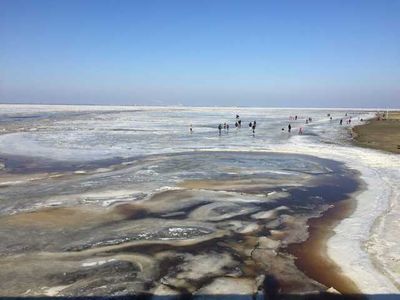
<point x="124" y="200"/>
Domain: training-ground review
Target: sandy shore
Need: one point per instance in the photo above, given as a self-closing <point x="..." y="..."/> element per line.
<point x="378" y="133"/>
<point x="312" y="256"/>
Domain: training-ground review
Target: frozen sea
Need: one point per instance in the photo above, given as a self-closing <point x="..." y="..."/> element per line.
<point x="129" y="191"/>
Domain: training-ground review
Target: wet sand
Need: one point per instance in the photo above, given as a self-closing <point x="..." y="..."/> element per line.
<point x="379" y="134"/>
<point x="61" y="217"/>
<point x="311" y="255"/>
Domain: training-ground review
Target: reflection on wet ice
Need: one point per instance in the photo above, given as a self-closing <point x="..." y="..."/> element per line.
<point x="201" y="222"/>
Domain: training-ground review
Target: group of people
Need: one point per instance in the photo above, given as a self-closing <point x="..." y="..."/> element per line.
<point x="301" y="130"/>
<point x="238" y="124"/>
<point x="225" y="126"/>
<point x="295" y="118"/>
<point x="253" y="124"/>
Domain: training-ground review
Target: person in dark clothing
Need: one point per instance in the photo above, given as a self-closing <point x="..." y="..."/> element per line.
<point x="341" y="121"/>
<point x="254" y="128"/>
<point x="236" y="124"/>
<point x="289" y="128"/>
<point x="240" y="123"/>
<point x="254" y="123"/>
<point x="219" y="128"/>
<point x="250" y="124"/>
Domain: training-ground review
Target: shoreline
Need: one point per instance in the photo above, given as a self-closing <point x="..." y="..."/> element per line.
<point x="378" y="133"/>
<point x="312" y="255"/>
<point x="347" y="247"/>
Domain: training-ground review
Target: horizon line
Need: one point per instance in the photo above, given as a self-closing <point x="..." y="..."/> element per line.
<point x="189" y="106"/>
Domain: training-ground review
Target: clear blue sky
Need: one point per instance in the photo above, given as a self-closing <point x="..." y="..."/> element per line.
<point x="251" y="53"/>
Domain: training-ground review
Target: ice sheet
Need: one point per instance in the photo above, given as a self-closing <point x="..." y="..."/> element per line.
<point x="365" y="245"/>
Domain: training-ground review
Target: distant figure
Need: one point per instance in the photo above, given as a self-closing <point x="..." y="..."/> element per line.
<point x="236" y="124"/>
<point x="295" y="117"/>
<point x="255" y="123"/>
<point x="240" y="123"/>
<point x="191" y="128"/>
<point x="301" y="130"/>
<point x="289" y="128"/>
<point x="219" y="128"/>
<point x="250" y="124"/>
<point x="237" y="116"/>
<point x="224" y="125"/>
<point x="346" y="114"/>
<point x="283" y="129"/>
<point x="307" y="121"/>
<point x="254" y="128"/>
<point x="310" y="119"/>
<point x="349" y="121"/>
<point x="227" y="127"/>
<point x="331" y="118"/>
<point x="341" y="121"/>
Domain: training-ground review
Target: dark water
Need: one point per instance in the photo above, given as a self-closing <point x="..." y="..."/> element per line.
<point x="198" y="223"/>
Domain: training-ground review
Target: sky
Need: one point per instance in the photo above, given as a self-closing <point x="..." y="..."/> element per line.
<point x="201" y="53"/>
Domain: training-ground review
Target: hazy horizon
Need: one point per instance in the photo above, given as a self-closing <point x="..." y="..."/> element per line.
<point x="208" y="106"/>
<point x="305" y="54"/>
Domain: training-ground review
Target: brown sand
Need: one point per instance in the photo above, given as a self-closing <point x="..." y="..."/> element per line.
<point x="60" y="217"/>
<point x="380" y="134"/>
<point x="312" y="257"/>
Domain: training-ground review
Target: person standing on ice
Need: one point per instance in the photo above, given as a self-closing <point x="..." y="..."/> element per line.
<point x="289" y="128"/>
<point x="191" y="128"/>
<point x="219" y="128"/>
